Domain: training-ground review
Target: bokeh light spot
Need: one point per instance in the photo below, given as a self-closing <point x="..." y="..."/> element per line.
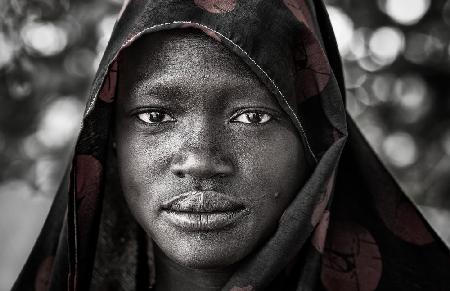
<point x="46" y="39"/>
<point x="405" y="12"/>
<point x="411" y="91"/>
<point x="412" y="95"/>
<point x="382" y="86"/>
<point x="343" y="28"/>
<point x="400" y="149"/>
<point x="367" y="63"/>
<point x="60" y="123"/>
<point x="104" y="31"/>
<point x="6" y="49"/>
<point x="357" y="47"/>
<point x="47" y="170"/>
<point x="385" y="44"/>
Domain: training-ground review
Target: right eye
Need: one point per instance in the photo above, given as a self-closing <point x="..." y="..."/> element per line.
<point x="155" y="117"/>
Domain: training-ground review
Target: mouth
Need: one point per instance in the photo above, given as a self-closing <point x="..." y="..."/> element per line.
<point x="203" y="211"/>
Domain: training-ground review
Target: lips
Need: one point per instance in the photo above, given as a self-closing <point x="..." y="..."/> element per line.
<point x="203" y="210"/>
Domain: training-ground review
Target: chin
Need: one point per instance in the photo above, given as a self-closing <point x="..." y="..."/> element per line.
<point x="205" y="250"/>
<point x="204" y="261"/>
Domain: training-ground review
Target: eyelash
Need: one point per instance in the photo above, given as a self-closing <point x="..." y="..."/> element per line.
<point x="263" y="116"/>
<point x="267" y="117"/>
<point x="140" y="116"/>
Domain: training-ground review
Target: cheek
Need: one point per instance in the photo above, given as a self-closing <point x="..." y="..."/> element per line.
<point x="274" y="169"/>
<point x="289" y="163"/>
<point x="275" y="163"/>
<point x="142" y="163"/>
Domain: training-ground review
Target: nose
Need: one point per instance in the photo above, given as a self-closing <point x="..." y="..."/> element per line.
<point x="203" y="154"/>
<point x="200" y="164"/>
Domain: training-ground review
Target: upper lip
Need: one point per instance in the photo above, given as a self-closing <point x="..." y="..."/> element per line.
<point x="203" y="202"/>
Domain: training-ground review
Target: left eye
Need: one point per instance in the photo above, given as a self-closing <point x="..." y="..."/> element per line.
<point x="252" y="118"/>
<point x="153" y="117"/>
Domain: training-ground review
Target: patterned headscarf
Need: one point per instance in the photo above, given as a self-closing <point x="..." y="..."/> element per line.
<point x="349" y="228"/>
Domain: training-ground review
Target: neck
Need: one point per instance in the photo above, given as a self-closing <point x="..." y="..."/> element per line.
<point x="172" y="276"/>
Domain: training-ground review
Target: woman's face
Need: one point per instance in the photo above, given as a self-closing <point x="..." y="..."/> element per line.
<point x="208" y="160"/>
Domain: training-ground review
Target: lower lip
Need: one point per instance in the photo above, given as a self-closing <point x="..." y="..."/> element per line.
<point x="196" y="221"/>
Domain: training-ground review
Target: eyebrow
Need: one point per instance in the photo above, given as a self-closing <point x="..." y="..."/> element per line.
<point x="153" y="87"/>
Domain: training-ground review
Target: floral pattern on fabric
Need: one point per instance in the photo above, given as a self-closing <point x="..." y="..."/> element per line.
<point x="320" y="232"/>
<point x="108" y="90"/>
<point x="312" y="65"/>
<point x="352" y="259"/>
<point x="44" y="272"/>
<point x="89" y="171"/>
<point x="402" y="219"/>
<point x="318" y="211"/>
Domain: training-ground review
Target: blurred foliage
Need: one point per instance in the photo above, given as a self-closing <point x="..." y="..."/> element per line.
<point x="396" y="55"/>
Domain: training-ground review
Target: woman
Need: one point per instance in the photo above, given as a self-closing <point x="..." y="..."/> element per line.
<point x="216" y="154"/>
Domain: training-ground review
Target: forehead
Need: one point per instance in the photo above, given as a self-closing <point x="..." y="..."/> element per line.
<point x="183" y="59"/>
<point x="178" y="48"/>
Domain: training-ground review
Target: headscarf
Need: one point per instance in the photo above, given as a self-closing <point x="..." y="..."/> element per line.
<point x="349" y="228"/>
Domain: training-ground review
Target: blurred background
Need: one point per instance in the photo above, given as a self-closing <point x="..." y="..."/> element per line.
<point x="397" y="63"/>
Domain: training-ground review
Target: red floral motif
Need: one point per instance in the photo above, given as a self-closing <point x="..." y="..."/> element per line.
<point x="43" y="274"/>
<point x="352" y="260"/>
<point x="400" y="216"/>
<point x="313" y="69"/>
<point x="108" y="90"/>
<point x="300" y="11"/>
<point x="320" y="232"/>
<point x="88" y="174"/>
<point x="248" y="288"/>
<point x="313" y="72"/>
<point x="322" y="204"/>
<point x="207" y="31"/>
<point x="216" y="6"/>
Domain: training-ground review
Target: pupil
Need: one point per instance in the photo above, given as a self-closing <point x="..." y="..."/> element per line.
<point x="254" y="117"/>
<point x="155" y="116"/>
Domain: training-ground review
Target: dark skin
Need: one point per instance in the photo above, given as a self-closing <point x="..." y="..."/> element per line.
<point x="191" y="117"/>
